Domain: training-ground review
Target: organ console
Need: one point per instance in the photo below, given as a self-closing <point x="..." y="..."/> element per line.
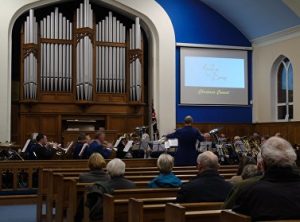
<point x="85" y="67"/>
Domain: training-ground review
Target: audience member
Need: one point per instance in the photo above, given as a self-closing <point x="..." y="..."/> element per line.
<point x="166" y="178"/>
<point x="208" y="186"/>
<point x="244" y="160"/>
<point x="235" y="191"/>
<point x="96" y="164"/>
<point x="116" y="170"/>
<point x="276" y="196"/>
<point x="250" y="170"/>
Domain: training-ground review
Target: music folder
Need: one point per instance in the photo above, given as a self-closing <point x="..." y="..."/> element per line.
<point x="171" y="143"/>
<point x="118" y="141"/>
<point x="128" y="146"/>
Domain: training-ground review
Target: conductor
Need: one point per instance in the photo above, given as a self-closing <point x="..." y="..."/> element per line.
<point x="187" y="136"/>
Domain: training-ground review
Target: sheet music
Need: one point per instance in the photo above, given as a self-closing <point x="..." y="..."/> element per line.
<point x="26" y="145"/>
<point x="167" y="144"/>
<point x="204" y="146"/>
<point x="66" y="149"/>
<point x="128" y="146"/>
<point x="173" y="142"/>
<point x="157" y="146"/>
<point x="118" y="141"/>
<point x="82" y="149"/>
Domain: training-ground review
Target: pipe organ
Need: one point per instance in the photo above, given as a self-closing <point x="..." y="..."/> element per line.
<point x="84" y="65"/>
<point x="111" y="61"/>
<point x="56" y="53"/>
<point x="30" y="57"/>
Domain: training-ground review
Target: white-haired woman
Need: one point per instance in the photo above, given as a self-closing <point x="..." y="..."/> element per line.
<point x="116" y="170"/>
<point x="166" y="178"/>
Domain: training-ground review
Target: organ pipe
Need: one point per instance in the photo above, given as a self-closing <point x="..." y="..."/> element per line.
<point x="30" y="60"/>
<point x="56" y="56"/>
<point x="110" y="67"/>
<point x="135" y="65"/>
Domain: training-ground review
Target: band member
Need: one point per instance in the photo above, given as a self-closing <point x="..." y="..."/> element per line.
<point x="42" y="150"/>
<point x="78" y="146"/>
<point x="99" y="145"/>
<point x="207" y="144"/>
<point x="186" y="154"/>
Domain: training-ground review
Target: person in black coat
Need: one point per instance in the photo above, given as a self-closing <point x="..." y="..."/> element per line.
<point x="96" y="164"/>
<point x="208" y="186"/>
<point x="276" y="195"/>
<point x="41" y="149"/>
<point x="116" y="170"/>
<point x="78" y="146"/>
<point x="187" y="136"/>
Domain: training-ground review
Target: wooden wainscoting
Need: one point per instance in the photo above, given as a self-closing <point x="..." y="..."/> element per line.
<point x="288" y="130"/>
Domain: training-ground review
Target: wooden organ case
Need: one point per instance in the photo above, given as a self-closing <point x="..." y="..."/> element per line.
<point x="82" y="74"/>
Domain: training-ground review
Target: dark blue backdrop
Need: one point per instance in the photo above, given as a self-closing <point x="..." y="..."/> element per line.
<point x="195" y="22"/>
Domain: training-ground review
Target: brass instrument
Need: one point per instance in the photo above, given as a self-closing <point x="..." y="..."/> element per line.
<point x="252" y="146"/>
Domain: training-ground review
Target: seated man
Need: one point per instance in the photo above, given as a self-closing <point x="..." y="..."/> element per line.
<point x="276" y="196"/>
<point x="97" y="146"/>
<point x="166" y="178"/>
<point x="78" y="146"/>
<point x="208" y="186"/>
<point x="116" y="171"/>
<point x="96" y="164"/>
<point x="207" y="144"/>
<point x="29" y="147"/>
<point x="41" y="149"/>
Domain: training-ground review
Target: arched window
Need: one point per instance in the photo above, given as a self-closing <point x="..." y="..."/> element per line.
<point x="284" y="90"/>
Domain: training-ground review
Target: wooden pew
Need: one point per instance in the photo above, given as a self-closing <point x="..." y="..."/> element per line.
<point x="141" y="211"/>
<point x="46" y="179"/>
<point x="178" y="213"/>
<point x="115" y="207"/>
<point x="63" y="165"/>
<point x="72" y="190"/>
<point x="52" y="184"/>
<point x="230" y="216"/>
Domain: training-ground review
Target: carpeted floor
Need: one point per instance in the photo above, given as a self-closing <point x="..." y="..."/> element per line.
<point x="18" y="213"/>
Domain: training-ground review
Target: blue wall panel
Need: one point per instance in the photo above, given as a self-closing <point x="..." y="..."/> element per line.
<point x="194" y="22"/>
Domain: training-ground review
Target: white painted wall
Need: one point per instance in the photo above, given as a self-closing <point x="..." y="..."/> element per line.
<point x="161" y="62"/>
<point x="264" y="56"/>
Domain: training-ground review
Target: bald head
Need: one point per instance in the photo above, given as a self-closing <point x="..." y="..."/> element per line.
<point x="207" y="160"/>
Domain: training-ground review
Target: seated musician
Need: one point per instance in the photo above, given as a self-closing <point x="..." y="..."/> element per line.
<point x="78" y="146"/>
<point x="208" y="186"/>
<point x="116" y="171"/>
<point x="42" y="149"/>
<point x="166" y="178"/>
<point x="96" y="164"/>
<point x="120" y="153"/>
<point x="31" y="147"/>
<point x="276" y="195"/>
<point x="98" y="146"/>
<point x="207" y="144"/>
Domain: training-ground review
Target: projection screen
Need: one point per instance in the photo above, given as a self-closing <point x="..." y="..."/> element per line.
<point x="213" y="76"/>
